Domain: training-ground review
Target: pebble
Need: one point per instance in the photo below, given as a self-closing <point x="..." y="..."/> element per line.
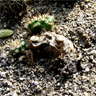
<point x="87" y="69"/>
<point x="24" y="35"/>
<point x="2" y="74"/>
<point x="12" y="94"/>
<point x="93" y="52"/>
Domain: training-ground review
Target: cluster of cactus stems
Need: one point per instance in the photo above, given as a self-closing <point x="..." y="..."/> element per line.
<point x="37" y="25"/>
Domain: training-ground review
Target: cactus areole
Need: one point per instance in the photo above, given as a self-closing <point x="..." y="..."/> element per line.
<point x="36" y="26"/>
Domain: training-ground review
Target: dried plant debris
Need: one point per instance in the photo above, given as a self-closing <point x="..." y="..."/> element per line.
<point x="57" y="47"/>
<point x="53" y="43"/>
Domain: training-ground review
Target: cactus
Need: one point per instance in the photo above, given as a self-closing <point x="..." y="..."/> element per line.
<point x="5" y="33"/>
<point x="21" y="47"/>
<point x="12" y="5"/>
<point x="36" y="26"/>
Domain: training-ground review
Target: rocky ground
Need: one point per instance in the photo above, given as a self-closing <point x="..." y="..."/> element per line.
<point x="48" y="76"/>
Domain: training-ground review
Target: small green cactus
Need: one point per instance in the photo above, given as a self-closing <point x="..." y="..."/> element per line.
<point x="20" y="48"/>
<point x="36" y="26"/>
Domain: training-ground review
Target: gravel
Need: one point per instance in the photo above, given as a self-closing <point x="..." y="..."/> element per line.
<point x="20" y="77"/>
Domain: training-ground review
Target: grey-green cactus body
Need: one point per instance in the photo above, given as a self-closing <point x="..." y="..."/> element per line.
<point x="5" y="33"/>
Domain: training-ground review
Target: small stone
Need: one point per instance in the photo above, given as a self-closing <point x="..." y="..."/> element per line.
<point x="11" y="94"/>
<point x="85" y="94"/>
<point x="87" y="1"/>
<point x="2" y="74"/>
<point x="93" y="52"/>
<point x="87" y="69"/>
<point x="21" y="79"/>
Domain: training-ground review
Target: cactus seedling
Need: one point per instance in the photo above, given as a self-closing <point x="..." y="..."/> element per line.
<point x="21" y="47"/>
<point x="36" y="26"/>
